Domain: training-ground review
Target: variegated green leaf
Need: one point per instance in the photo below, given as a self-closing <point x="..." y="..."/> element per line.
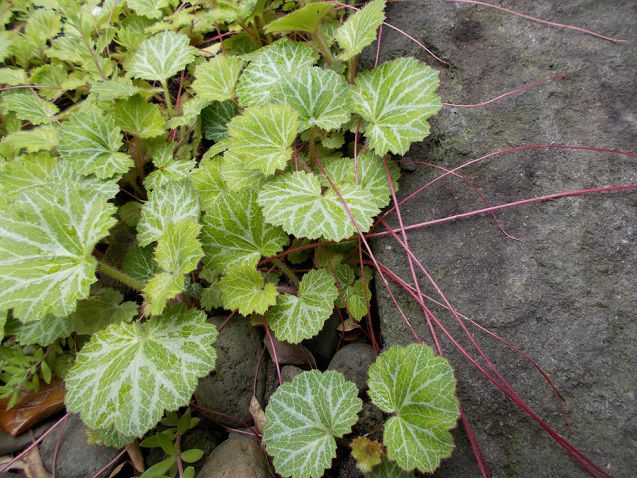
<point x="134" y="115"/>
<point x="167" y="205"/>
<point x="139" y="263"/>
<point x="296" y="202"/>
<point x="161" y="56"/>
<point x="272" y="63"/>
<point x="215" y="119"/>
<point x="244" y="289"/>
<point x="360" y="29"/>
<point x="42" y="332"/>
<point x="304" y="418"/>
<point x="234" y="232"/>
<point x="30" y="107"/>
<point x="207" y="179"/>
<point x="121" y="379"/>
<point x="298" y="317"/>
<point x="148" y="8"/>
<point x="320" y="97"/>
<point x="103" y="308"/>
<point x="395" y="100"/>
<point x="236" y="176"/>
<point x="159" y="289"/>
<point x="216" y="79"/>
<point x="92" y="141"/>
<point x="32" y="140"/>
<point x="179" y="249"/>
<point x="46" y="242"/>
<point x="389" y="469"/>
<point x="372" y="176"/>
<point x="262" y="137"/>
<point x="117" y="88"/>
<point x="26" y="172"/>
<point x="418" y="387"/>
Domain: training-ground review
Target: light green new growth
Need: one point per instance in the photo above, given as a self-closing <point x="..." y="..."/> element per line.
<point x="216" y="79"/>
<point x="161" y="56"/>
<point x="244" y="289"/>
<point x="360" y="29"/>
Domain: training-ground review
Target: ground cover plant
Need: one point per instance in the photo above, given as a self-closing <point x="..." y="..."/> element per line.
<point x="161" y="160"/>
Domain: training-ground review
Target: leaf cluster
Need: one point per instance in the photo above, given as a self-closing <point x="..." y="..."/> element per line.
<point x="163" y="159"/>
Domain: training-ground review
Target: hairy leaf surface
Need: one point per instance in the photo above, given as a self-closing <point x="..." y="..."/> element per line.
<point x="216" y="79"/>
<point x="360" y="29"/>
<point x="244" y="289"/>
<point x="121" y="379"/>
<point x="304" y="416"/>
<point x="161" y="56"/>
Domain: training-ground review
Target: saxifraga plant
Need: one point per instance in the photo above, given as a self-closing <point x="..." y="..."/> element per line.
<point x="163" y="159"/>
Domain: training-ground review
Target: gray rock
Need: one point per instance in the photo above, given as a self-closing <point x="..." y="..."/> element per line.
<point x="288" y="372"/>
<point x="238" y="456"/>
<point x="10" y="444"/>
<point x="75" y="457"/>
<point x="566" y="294"/>
<point x="353" y="361"/>
<point x="228" y="389"/>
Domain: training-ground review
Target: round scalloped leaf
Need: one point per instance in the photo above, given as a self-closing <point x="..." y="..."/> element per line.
<point x="47" y="238"/>
<point x="234" y="231"/>
<point x="42" y="332"/>
<point x="360" y="29"/>
<point x="216" y="79"/>
<point x="30" y="107"/>
<point x="261" y="138"/>
<point x="161" y="56"/>
<point x="244" y="289"/>
<point x="175" y="201"/>
<point x="120" y="378"/>
<point x="134" y="115"/>
<point x="418" y="387"/>
<point x="91" y="141"/>
<point x="298" y="317"/>
<point x="274" y="62"/>
<point x="396" y="99"/>
<point x="372" y="176"/>
<point x="368" y="453"/>
<point x="103" y="308"/>
<point x="320" y="97"/>
<point x="304" y="416"/>
<point x="296" y="202"/>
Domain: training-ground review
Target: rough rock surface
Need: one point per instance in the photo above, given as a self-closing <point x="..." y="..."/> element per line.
<point x="228" y="389"/>
<point x="75" y="457"/>
<point x="238" y="456"/>
<point x="353" y="361"/>
<point x="566" y="294"/>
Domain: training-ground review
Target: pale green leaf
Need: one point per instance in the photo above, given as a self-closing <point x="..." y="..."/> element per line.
<point x="121" y="379"/>
<point x="372" y="176"/>
<point x="114" y="89"/>
<point x="148" y="8"/>
<point x="139" y="263"/>
<point x="304" y="418"/>
<point x="190" y="111"/>
<point x="167" y="205"/>
<point x="26" y="172"/>
<point x="134" y="115"/>
<point x="262" y="136"/>
<point x="360" y="29"/>
<point x="234" y="232"/>
<point x="91" y="141"/>
<point x="216" y="79"/>
<point x="320" y="97"/>
<point x="42" y="332"/>
<point x="244" y="289"/>
<point x="12" y="76"/>
<point x="103" y="308"/>
<point x="174" y="170"/>
<point x="32" y="140"/>
<point x="298" y="317"/>
<point x="51" y="79"/>
<point x="305" y="19"/>
<point x="279" y="60"/>
<point x="160" y="288"/>
<point x="46" y="243"/>
<point x="161" y="56"/>
<point x="30" y="107"/>
<point x="418" y="387"/>
<point x="215" y="119"/>
<point x="395" y="100"/>
<point x="368" y="453"/>
<point x="236" y="176"/>
<point x="179" y="249"/>
<point x="297" y="202"/>
<point x="42" y="25"/>
<point x="207" y="179"/>
<point x="211" y="296"/>
<point x="357" y="296"/>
